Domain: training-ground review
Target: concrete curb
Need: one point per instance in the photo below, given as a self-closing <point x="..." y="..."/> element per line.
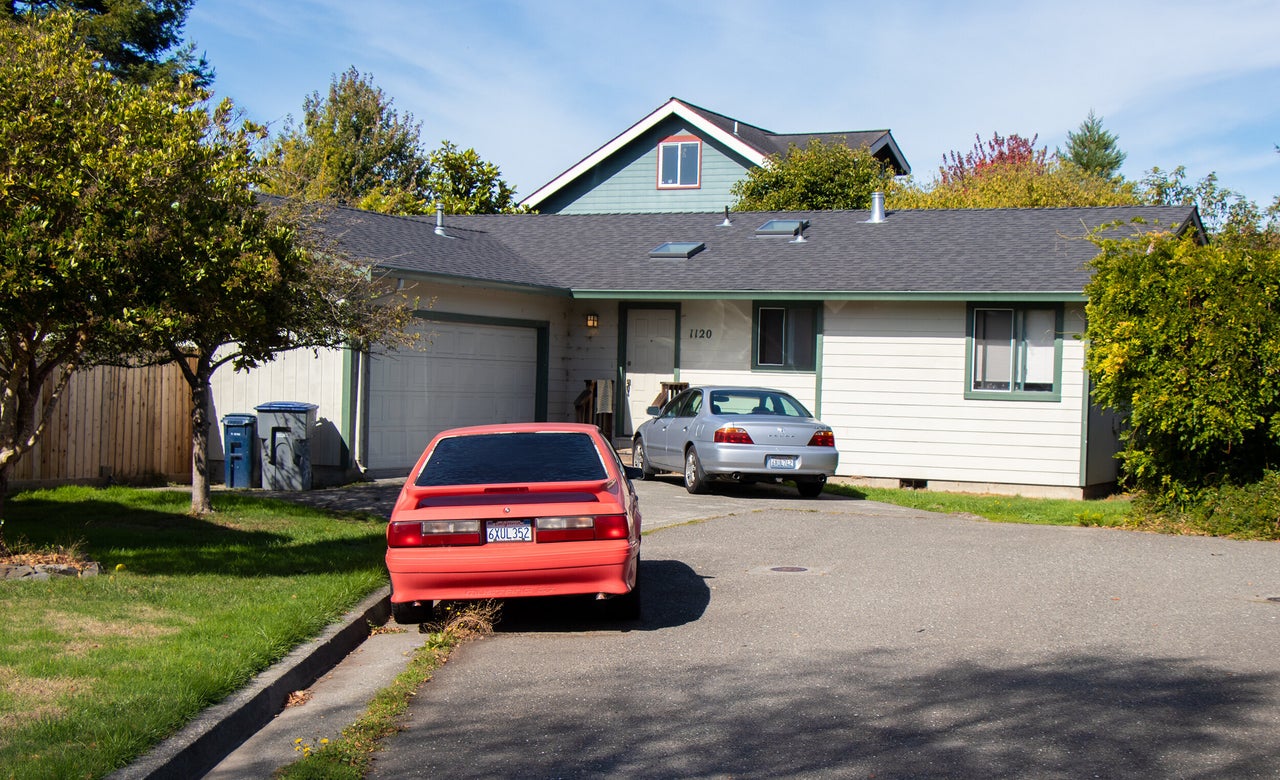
<point x="219" y="730"/>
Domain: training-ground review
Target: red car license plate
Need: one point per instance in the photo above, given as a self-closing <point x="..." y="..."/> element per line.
<point x="508" y="531"/>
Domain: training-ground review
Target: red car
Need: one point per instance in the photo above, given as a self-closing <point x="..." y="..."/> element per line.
<point x="522" y="509"/>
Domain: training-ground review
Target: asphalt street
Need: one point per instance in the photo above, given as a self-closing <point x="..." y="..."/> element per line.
<point x="843" y="638"/>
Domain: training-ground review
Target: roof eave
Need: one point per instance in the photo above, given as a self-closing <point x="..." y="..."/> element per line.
<point x="1032" y="296"/>
<point x="673" y="107"/>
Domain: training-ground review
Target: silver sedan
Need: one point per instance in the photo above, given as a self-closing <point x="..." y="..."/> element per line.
<point x="743" y="434"/>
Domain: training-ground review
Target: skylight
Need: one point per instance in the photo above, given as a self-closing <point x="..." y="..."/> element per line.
<point x="782" y="227"/>
<point x="681" y="249"/>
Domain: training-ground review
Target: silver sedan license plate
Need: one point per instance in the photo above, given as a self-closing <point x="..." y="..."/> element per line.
<point x="508" y="531"/>
<point x="781" y="461"/>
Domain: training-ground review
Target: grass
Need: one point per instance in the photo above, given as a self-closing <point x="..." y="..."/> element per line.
<point x="349" y="756"/>
<point x="95" y="671"/>
<point x="1108" y="512"/>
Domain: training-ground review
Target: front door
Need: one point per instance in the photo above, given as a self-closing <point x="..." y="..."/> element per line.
<point x="651" y="360"/>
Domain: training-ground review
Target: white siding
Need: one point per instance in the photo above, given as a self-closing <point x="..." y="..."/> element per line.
<point x="893" y="389"/>
<point x="298" y="375"/>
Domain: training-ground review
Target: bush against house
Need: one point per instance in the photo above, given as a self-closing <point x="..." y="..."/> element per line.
<point x="1184" y="338"/>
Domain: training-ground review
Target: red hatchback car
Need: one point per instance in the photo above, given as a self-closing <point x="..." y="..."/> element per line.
<point x="522" y="509"/>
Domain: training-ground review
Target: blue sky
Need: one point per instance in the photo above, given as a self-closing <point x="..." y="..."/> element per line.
<point x="535" y="86"/>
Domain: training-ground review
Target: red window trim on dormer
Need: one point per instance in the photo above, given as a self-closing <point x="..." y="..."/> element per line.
<point x="680" y="139"/>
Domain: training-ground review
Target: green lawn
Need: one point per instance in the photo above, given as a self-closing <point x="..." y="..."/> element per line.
<point x="1001" y="509"/>
<point x="95" y="671"/>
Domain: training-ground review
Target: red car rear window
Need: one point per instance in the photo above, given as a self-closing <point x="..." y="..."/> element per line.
<point x="509" y="458"/>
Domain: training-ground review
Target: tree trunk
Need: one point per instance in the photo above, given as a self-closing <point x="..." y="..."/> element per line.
<point x="4" y="494"/>
<point x="201" y="502"/>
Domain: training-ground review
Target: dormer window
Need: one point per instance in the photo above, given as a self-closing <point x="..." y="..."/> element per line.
<point x="679" y="162"/>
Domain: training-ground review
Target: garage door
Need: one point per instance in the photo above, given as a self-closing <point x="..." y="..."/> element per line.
<point x="467" y="375"/>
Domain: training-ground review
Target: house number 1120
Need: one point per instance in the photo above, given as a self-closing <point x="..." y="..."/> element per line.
<point x="699" y="333"/>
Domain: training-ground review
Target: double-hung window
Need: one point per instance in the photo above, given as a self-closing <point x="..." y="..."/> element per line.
<point x="786" y="336"/>
<point x="1015" y="351"/>
<point x="679" y="162"/>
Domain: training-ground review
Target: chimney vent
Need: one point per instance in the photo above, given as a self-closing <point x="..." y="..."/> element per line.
<point x="440" y="220"/>
<point x="877" y="207"/>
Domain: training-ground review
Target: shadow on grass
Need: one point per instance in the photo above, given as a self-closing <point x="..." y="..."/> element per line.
<point x="150" y="533"/>
<point x="673" y="594"/>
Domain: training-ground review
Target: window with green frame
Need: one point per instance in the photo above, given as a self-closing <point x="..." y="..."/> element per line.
<point x="1015" y="351"/>
<point x="785" y="336"/>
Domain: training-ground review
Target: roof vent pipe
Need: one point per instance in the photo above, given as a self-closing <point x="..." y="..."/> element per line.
<point x="877" y="207"/>
<point x="735" y="127"/>
<point x="440" y="220"/>
<point x="726" y="222"/>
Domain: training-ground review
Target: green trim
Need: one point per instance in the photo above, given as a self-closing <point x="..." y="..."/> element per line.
<point x="817" y="371"/>
<point x="619" y="388"/>
<point x="829" y="295"/>
<point x="1012" y="395"/>
<point x="542" y="332"/>
<point x="815" y="306"/>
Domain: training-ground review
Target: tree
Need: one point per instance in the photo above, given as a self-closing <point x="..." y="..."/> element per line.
<point x="355" y="149"/>
<point x="1094" y="149"/>
<point x="818" y="176"/>
<point x="1222" y="210"/>
<point x="246" y="283"/>
<point x="466" y="184"/>
<point x="1184" y="339"/>
<point x="352" y="144"/>
<point x="90" y="167"/>
<point x="1010" y="172"/>
<point x="139" y="41"/>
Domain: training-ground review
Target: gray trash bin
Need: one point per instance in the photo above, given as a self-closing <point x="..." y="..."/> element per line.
<point x="238" y="445"/>
<point x="284" y="428"/>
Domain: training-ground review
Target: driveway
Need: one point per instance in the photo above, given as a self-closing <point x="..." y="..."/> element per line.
<point x="843" y="638"/>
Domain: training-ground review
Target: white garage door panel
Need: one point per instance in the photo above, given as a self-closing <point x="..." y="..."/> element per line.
<point x="469" y="375"/>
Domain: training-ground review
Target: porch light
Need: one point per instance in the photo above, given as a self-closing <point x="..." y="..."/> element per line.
<point x="593" y="320"/>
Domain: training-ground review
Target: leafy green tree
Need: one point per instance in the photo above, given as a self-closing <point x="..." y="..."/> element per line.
<point x="1184" y="339"/>
<point x="817" y="177"/>
<point x="1222" y="210"/>
<point x="355" y="149"/>
<point x="1010" y="172"/>
<point x="246" y="283"/>
<point x="352" y="144"/>
<point x="466" y="184"/>
<point x="137" y="40"/>
<point x="1094" y="149"/>
<point x="90" y="167"/>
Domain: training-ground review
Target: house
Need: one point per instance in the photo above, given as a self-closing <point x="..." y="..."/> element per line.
<point x="943" y="347"/>
<point x="683" y="158"/>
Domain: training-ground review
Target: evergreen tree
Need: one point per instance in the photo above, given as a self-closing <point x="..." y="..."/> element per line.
<point x="1093" y="148"/>
<point x="139" y="41"/>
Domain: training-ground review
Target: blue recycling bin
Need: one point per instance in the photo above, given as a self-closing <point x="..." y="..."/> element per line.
<point x="238" y="446"/>
<point x="284" y="428"/>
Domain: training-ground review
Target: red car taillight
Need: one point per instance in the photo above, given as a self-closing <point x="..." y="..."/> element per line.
<point x="581" y="529"/>
<point x="433" y="533"/>
<point x="732" y="435"/>
<point x="823" y="439"/>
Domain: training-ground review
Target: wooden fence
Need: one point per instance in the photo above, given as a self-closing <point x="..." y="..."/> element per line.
<point x="130" y="425"/>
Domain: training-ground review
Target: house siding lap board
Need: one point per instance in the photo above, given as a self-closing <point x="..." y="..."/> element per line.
<point x="893" y="390"/>
<point x="628" y="182"/>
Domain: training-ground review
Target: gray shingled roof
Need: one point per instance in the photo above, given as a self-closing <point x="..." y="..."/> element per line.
<point x="769" y="142"/>
<point x="925" y="252"/>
